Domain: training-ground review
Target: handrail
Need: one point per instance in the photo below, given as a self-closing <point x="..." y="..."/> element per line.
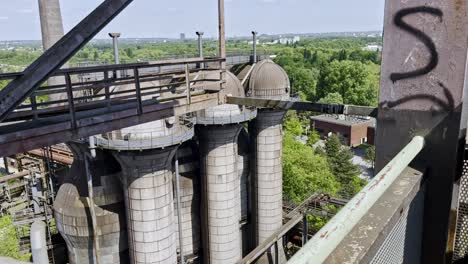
<point x="329" y="237"/>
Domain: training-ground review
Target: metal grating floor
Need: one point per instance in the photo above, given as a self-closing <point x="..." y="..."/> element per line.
<point x="461" y="233"/>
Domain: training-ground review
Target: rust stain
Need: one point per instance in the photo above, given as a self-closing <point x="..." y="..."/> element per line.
<point x="324" y="234"/>
<point x="331" y="232"/>
<point x="458" y="4"/>
<point x="380" y="179"/>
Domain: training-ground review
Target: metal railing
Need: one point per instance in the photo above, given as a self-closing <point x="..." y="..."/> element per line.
<point x="120" y="91"/>
<point x="322" y="245"/>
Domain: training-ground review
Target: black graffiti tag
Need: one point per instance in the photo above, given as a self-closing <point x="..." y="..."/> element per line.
<point x="434" y="60"/>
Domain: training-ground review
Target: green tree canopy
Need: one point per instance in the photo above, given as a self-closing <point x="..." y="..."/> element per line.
<point x="351" y="79"/>
<point x="332" y="98"/>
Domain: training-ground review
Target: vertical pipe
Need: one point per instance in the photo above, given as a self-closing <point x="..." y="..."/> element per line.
<point x="200" y="43"/>
<point x="115" y="43"/>
<point x="179" y="213"/>
<point x="5" y="163"/>
<point x="254" y="38"/>
<point x="305" y="230"/>
<point x="222" y="42"/>
<point x="39" y="243"/>
<point x="51" y="22"/>
<point x="91" y="206"/>
<point x="200" y="48"/>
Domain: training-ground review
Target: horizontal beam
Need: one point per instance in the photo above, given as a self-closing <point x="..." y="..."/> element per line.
<point x="51" y="60"/>
<point x="25" y="137"/>
<point x="303" y="106"/>
<point x="14" y="176"/>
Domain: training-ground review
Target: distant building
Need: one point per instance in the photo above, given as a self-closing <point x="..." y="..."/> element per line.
<point x="352" y="130"/>
<point x="289" y="40"/>
<point x="373" y="48"/>
<point x="182" y="37"/>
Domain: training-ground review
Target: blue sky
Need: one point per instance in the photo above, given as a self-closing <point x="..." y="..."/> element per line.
<point x="19" y="19"/>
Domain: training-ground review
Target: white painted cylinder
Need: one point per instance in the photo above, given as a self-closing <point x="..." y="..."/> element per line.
<point x="39" y="243"/>
<point x="149" y="200"/>
<point x="218" y="150"/>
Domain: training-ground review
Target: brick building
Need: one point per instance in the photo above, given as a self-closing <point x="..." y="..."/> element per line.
<point x="352" y="130"/>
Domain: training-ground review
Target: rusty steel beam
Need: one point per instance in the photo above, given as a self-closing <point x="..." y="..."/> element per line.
<point x="38" y="72"/>
<point x="14" y="176"/>
<point x="17" y="138"/>
<point x="421" y="89"/>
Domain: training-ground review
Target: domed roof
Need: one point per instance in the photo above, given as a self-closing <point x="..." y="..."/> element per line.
<point x="233" y="86"/>
<point x="269" y="80"/>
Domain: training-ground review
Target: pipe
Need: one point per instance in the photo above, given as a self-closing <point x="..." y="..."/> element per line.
<point x="115" y="43"/>
<point x="38" y="243"/>
<point x="179" y="213"/>
<point x="89" y="178"/>
<point x="200" y="48"/>
<point x="200" y="43"/>
<point x="329" y="237"/>
<point x="5" y="164"/>
<point x="254" y="37"/>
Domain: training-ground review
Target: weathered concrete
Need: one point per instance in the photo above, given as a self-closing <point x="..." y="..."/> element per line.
<point x="243" y="170"/>
<point x="149" y="201"/>
<point x="268" y="81"/>
<point x="73" y="217"/>
<point x="368" y="236"/>
<point x="190" y="198"/>
<point x="218" y="151"/>
<point x="267" y="138"/>
<point x="51" y="22"/>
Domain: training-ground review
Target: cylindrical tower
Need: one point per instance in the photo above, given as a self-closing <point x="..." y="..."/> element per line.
<point x="219" y="128"/>
<point x="146" y="154"/>
<point x="51" y="22"/>
<point x="268" y="81"/>
<point x="72" y="213"/>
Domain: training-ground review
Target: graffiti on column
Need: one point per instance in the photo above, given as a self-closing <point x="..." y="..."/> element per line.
<point x="420" y="35"/>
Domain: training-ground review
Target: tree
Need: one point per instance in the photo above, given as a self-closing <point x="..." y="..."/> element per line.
<point x="353" y="80"/>
<point x="332" y="98"/>
<point x="340" y="162"/>
<point x="305" y="172"/>
<point x="314" y="137"/>
<point x="369" y="156"/>
<point x="293" y="126"/>
<point x="9" y="244"/>
<point x="303" y="80"/>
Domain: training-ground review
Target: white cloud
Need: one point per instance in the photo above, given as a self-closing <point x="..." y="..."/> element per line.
<point x="3" y="18"/>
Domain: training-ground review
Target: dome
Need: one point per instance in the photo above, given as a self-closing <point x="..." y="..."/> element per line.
<point x="233" y="86"/>
<point x="269" y="80"/>
<point x="226" y="113"/>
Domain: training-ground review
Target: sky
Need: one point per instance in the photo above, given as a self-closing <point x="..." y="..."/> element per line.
<point x="19" y="19"/>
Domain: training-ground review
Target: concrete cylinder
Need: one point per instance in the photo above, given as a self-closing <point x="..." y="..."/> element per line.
<point x="51" y="22"/>
<point x="149" y="201"/>
<point x="73" y="217"/>
<point x="267" y="138"/>
<point x="190" y="199"/>
<point x="218" y="147"/>
<point x="39" y="243"/>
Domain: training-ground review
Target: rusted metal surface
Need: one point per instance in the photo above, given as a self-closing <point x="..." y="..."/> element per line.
<point x="102" y="105"/>
<point x="422" y="81"/>
<point x="303" y="106"/>
<point x="14" y="176"/>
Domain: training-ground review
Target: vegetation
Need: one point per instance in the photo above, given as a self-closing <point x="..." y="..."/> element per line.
<point x="9" y="244"/>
